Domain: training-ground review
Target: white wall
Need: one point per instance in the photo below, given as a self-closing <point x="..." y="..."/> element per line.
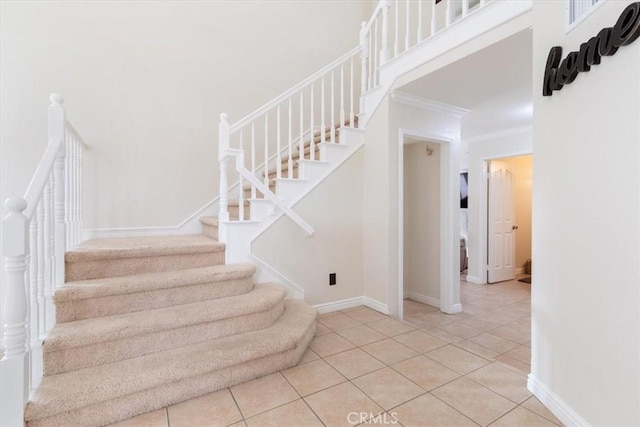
<point x="334" y="210"/>
<point x="586" y="222"/>
<point x="481" y="149"/>
<point x="422" y="221"/>
<point x="145" y="83"/>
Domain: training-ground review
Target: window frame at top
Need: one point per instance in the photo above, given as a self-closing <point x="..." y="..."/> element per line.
<point x="590" y="8"/>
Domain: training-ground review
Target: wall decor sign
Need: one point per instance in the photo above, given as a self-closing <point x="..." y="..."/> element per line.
<point x="559" y="72"/>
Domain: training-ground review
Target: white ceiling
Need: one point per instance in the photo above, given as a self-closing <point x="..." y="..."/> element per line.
<point x="495" y="83"/>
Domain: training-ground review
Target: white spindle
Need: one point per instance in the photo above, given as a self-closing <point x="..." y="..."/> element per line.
<point x="322" y="113"/>
<point x="15" y="311"/>
<point x="301" y="140"/>
<point x="465" y="7"/>
<point x="448" y="13"/>
<point x="312" y="143"/>
<point x="407" y="29"/>
<point x="49" y="246"/>
<point x="40" y="250"/>
<point x="34" y="334"/>
<point x="371" y="59"/>
<point x="223" y="146"/>
<point x="396" y="39"/>
<point x="364" y="49"/>
<point x="68" y="179"/>
<point x="342" y="113"/>
<point x="333" y="113"/>
<point x="81" y="195"/>
<point x="376" y="55"/>
<point x="351" y="111"/>
<point x="433" y="18"/>
<point x="290" y="143"/>
<point x="241" y="184"/>
<point x="266" y="150"/>
<point x="419" y="33"/>
<point x="253" y="156"/>
<point x="384" y="42"/>
<point x="278" y="145"/>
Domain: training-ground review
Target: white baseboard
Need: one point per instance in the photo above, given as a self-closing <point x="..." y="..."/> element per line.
<point x="475" y="279"/>
<point x="344" y="304"/>
<point x="434" y="302"/>
<point x="520" y="270"/>
<point x="554" y="403"/>
<point x="457" y="308"/>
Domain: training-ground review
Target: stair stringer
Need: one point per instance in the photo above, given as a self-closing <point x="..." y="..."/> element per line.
<point x="240" y="235"/>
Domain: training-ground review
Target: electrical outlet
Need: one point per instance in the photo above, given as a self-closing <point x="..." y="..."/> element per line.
<point x="332" y="279"/>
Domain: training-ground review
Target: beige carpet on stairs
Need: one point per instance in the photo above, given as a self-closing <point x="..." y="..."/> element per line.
<point x="147" y="322"/>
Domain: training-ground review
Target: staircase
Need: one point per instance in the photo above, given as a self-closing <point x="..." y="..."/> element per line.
<point x="143" y="323"/>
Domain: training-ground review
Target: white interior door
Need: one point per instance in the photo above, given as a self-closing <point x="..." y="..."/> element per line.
<point x="501" y="239"/>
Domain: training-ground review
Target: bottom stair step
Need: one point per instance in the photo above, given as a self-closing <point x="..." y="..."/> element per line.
<point x="108" y="393"/>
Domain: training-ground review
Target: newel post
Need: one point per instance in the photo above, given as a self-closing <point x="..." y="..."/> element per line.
<point x="14" y="366"/>
<point x="223" y="146"/>
<point x="384" y="50"/>
<point x="364" y="55"/>
<point x="56" y="134"/>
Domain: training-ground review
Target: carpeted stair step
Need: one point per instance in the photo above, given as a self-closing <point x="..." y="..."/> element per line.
<point x="105" y="297"/>
<point x="209" y="226"/>
<point x="92" y="342"/>
<point x="99" y="258"/>
<point x="109" y="393"/>
<point x="233" y="206"/>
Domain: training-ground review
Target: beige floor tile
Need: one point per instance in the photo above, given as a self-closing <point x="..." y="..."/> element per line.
<point x="495" y="343"/>
<point x="308" y="356"/>
<point x="428" y="411"/>
<point x="512" y="334"/>
<point x="384" y="419"/>
<point x="354" y="363"/>
<point x="296" y="413"/>
<point x="326" y="345"/>
<point x="439" y="333"/>
<point x="342" y="405"/>
<point x="366" y="315"/>
<point x="329" y="314"/>
<point x="503" y="381"/>
<point x="461" y="330"/>
<point x="475" y="401"/>
<point x="388" y="388"/>
<point x="425" y="372"/>
<point x="263" y="394"/>
<point x="391" y="327"/>
<point x="339" y="321"/>
<point x="437" y="318"/>
<point x="214" y="409"/>
<point x="514" y="364"/>
<point x="522" y="417"/>
<point x="156" y="418"/>
<point x="534" y="405"/>
<point x="239" y="424"/>
<point x="321" y="329"/>
<point x="312" y="377"/>
<point x="389" y="351"/>
<point x="523" y="323"/>
<point x="499" y="315"/>
<point x="477" y="349"/>
<point x="420" y="341"/>
<point x="347" y="310"/>
<point x="521" y="354"/>
<point x="361" y="335"/>
<point x="457" y="359"/>
<point x="483" y="325"/>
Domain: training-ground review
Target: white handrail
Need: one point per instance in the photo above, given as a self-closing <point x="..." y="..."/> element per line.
<point x="294" y="90"/>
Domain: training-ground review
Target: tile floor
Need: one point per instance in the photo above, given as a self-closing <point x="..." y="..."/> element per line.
<point x="363" y="367"/>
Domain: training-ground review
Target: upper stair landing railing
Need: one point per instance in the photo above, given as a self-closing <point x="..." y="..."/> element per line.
<point x="396" y="26"/>
<point x="35" y="235"/>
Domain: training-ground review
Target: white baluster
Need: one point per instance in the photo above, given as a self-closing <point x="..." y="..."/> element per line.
<point x="407" y="27"/>
<point x="376" y="55"/>
<point x="301" y="140"/>
<point x="266" y="149"/>
<point x="342" y="114"/>
<point x="372" y="63"/>
<point x="14" y="390"/>
<point x="364" y="40"/>
<point x="56" y="131"/>
<point x="323" y="122"/>
<point x="289" y="144"/>
<point x="68" y="180"/>
<point x="78" y="199"/>
<point x="49" y="246"/>
<point x="223" y="146"/>
<point x="41" y="259"/>
<point x="81" y="197"/>
<point x="253" y="157"/>
<point x="333" y="113"/>
<point x="34" y="334"/>
<point x="465" y="7"/>
<point x="278" y="145"/>
<point x="396" y="40"/>
<point x="449" y="13"/>
<point x="351" y="110"/>
<point x="240" y="184"/>
<point x="433" y="18"/>
<point x="312" y="143"/>
<point x="384" y="42"/>
<point x="419" y="34"/>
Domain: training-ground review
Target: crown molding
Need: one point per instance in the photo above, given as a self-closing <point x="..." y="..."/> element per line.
<point x="428" y="104"/>
<point x="499" y="134"/>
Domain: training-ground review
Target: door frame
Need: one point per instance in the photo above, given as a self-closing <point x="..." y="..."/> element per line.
<point x="449" y="233"/>
<point x="483" y="206"/>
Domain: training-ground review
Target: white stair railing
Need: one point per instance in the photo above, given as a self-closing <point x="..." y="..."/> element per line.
<point x="37" y="231"/>
<point x="314" y="108"/>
